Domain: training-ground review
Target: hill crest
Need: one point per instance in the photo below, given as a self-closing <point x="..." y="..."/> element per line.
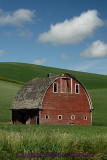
<point x="23" y="72"/>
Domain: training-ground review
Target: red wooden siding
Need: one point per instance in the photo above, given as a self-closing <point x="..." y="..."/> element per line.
<point x="66" y="104"/>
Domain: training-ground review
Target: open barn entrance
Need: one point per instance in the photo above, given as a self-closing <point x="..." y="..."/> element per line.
<point x="24" y="118"/>
<point x="32" y="116"/>
<point x="37" y="120"/>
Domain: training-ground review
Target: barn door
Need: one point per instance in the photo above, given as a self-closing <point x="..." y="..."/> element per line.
<point x="66" y="85"/>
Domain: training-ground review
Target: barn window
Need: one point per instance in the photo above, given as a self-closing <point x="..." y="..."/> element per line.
<point x="77" y="88"/>
<point x="55" y="87"/>
<point x="46" y="117"/>
<point x="60" y="117"/>
<point x="72" y="117"/>
<point x="85" y="117"/>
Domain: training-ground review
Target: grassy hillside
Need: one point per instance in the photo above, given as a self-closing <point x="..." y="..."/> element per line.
<point x="7" y="93"/>
<point x="10" y="80"/>
<point x="99" y="100"/>
<point x="24" y="72"/>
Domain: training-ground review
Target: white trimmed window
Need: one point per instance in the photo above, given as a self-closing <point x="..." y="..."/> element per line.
<point x="55" y="87"/>
<point x="72" y="117"/>
<point x="60" y="117"/>
<point x="85" y="117"/>
<point x="77" y="88"/>
<point x="46" y="117"/>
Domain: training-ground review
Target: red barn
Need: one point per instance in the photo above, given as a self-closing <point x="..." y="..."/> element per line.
<point x="61" y="100"/>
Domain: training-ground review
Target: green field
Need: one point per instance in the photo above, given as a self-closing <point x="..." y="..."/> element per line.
<point x="99" y="99"/>
<point x="28" y="139"/>
<point x="23" y="72"/>
<point x="7" y="92"/>
<point x="47" y="139"/>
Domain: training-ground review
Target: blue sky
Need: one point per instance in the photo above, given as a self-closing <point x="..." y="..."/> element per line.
<point x="69" y="34"/>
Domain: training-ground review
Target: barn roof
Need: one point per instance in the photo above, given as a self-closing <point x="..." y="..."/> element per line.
<point x="31" y="95"/>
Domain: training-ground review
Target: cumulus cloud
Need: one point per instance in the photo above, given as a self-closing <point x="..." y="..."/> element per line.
<point x="2" y="52"/>
<point x="40" y="62"/>
<point x="64" y="56"/>
<point x="16" y="18"/>
<point x="96" y="50"/>
<point x="73" y="30"/>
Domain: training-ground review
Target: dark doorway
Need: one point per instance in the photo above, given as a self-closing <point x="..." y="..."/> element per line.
<point x="23" y="118"/>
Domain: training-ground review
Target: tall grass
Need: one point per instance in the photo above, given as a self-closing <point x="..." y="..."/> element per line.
<point x="29" y="142"/>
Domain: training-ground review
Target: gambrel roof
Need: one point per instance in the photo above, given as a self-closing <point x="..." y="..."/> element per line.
<point x="31" y="95"/>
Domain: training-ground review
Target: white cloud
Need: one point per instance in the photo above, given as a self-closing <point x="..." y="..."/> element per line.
<point x="96" y="50"/>
<point x="73" y="30"/>
<point x="2" y="52"/>
<point x="17" y="18"/>
<point x="40" y="62"/>
<point x="64" y="56"/>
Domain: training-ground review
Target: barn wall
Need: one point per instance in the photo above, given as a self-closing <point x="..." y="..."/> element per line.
<point x="65" y="104"/>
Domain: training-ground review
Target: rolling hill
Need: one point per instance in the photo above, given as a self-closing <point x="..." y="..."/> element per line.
<point x="23" y="72"/>
<point x="14" y="75"/>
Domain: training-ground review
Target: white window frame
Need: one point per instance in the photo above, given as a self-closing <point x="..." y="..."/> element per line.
<point x="46" y="118"/>
<point x="72" y="116"/>
<point x="57" y="87"/>
<point x="85" y="118"/>
<point x="61" y="117"/>
<point x="78" y="88"/>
